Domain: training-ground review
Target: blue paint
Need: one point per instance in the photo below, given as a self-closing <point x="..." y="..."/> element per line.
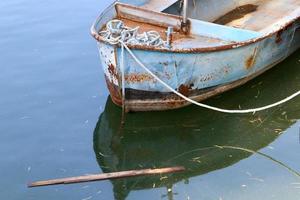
<point x="221" y="32"/>
<point x="202" y="70"/>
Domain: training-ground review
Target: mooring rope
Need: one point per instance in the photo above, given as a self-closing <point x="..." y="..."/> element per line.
<point x="119" y="40"/>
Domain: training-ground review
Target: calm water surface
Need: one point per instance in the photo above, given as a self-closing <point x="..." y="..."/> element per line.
<point x="56" y="120"/>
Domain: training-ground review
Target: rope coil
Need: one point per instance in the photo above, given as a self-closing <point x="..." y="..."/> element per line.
<point x="123" y="43"/>
<point x="116" y="31"/>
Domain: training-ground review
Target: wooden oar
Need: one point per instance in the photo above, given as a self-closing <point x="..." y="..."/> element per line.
<point x="105" y="176"/>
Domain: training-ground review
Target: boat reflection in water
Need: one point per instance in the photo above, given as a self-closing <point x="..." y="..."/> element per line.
<point x="187" y="137"/>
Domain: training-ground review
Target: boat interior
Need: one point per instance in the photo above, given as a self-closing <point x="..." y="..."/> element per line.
<point x="212" y="23"/>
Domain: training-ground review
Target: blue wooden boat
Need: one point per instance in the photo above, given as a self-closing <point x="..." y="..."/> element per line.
<point x="209" y="47"/>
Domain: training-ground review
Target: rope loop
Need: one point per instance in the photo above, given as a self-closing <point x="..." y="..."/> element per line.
<point x="116" y="31"/>
<point x="115" y="26"/>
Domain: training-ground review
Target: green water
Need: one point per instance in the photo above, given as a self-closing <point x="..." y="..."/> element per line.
<point x="56" y="120"/>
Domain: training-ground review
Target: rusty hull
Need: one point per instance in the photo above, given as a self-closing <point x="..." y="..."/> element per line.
<point x="140" y="101"/>
<point x="199" y="65"/>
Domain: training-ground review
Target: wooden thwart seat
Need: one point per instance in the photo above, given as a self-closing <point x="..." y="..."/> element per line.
<point x="147" y="16"/>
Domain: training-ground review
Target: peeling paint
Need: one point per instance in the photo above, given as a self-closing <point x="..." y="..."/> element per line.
<point x="281" y="32"/>
<point x="185" y="90"/>
<point x="114" y="92"/>
<point x="113" y="71"/>
<point x="138" y="78"/>
<point x="212" y="69"/>
<point x="251" y="60"/>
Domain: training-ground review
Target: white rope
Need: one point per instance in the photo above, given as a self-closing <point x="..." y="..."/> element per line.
<point x="254" y="110"/>
<point x="116" y="30"/>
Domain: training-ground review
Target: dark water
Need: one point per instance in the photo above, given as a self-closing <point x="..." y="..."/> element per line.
<point x="53" y="92"/>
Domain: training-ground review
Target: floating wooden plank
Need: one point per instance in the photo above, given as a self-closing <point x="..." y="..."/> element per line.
<point x="106" y="176"/>
<point x="158" y="5"/>
<point x="147" y="16"/>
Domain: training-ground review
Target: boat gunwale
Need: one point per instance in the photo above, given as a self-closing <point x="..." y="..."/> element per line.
<point x="233" y="45"/>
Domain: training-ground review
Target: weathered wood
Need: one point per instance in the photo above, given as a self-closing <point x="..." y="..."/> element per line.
<point x="139" y="14"/>
<point x="106" y="176"/>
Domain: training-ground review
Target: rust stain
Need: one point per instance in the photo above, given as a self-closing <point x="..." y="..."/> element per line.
<point x="138" y="78"/>
<point x="175" y="103"/>
<point x="114" y="92"/>
<point x="278" y="39"/>
<point x="113" y="71"/>
<point x="185" y="89"/>
<point x="279" y="34"/>
<point x="185" y="28"/>
<point x="251" y="60"/>
<point x="237" y="13"/>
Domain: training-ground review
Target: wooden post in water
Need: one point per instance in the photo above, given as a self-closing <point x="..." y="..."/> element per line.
<point x="105" y="176"/>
